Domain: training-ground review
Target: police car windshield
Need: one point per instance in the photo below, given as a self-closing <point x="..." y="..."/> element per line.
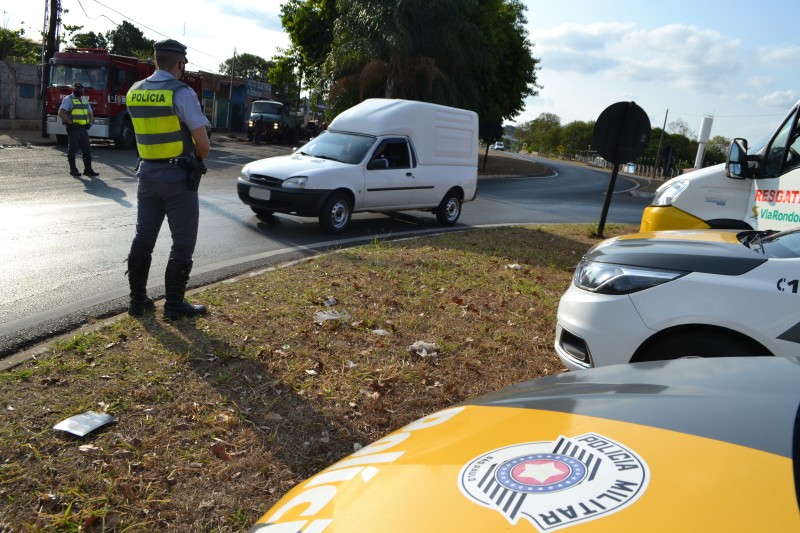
<point x="348" y="148"/>
<point x="785" y="244"/>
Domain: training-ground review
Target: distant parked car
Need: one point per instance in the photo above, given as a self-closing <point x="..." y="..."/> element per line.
<point x="690" y="293"/>
<point x="687" y="445"/>
<point x="498" y="146"/>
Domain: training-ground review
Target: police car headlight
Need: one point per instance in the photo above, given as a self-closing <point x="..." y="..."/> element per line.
<point x="296" y="182"/>
<point x="607" y="278"/>
<point x="669" y="192"/>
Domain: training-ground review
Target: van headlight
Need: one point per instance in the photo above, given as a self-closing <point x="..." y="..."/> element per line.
<point x="608" y="278"/>
<point x="295" y="182"/>
<point x="669" y="192"/>
<point x="245" y="173"/>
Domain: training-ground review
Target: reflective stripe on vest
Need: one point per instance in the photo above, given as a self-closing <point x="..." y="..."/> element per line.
<point x="80" y="111"/>
<point x="159" y="132"/>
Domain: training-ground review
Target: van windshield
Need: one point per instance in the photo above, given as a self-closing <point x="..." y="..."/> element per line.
<point x="348" y="148"/>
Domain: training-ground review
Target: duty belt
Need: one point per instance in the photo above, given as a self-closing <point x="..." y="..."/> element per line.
<point x="181" y="162"/>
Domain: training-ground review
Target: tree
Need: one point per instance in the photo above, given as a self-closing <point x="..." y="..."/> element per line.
<point x="680" y="127"/>
<point x="717" y="150"/>
<point x="14" y="46"/>
<point x="542" y="134"/>
<point x="284" y="78"/>
<point x="472" y="54"/>
<point x="247" y="66"/>
<point x="309" y="24"/>
<point x="576" y="136"/>
<point x="89" y="40"/>
<point x="128" y="40"/>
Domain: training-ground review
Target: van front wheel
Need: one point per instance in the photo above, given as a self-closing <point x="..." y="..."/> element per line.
<point x="335" y="214"/>
<point x="449" y="209"/>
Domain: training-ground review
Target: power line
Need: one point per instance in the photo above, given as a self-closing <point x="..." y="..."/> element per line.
<point x="156" y="32"/>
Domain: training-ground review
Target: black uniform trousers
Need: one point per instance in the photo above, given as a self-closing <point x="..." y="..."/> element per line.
<point x="78" y="137"/>
<point x="167" y="196"/>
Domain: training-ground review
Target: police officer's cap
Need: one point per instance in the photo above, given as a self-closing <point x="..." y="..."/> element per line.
<point x="77" y="85"/>
<point x="169" y="45"/>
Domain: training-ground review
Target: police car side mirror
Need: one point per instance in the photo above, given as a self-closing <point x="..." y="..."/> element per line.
<point x="378" y="164"/>
<point x="737" y="165"/>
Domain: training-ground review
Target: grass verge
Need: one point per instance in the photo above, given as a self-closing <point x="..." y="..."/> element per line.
<point x="216" y="418"/>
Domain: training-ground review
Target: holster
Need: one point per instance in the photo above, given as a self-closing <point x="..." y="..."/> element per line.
<point x="194" y="168"/>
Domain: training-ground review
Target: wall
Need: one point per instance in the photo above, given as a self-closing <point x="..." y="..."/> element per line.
<point x="20" y="92"/>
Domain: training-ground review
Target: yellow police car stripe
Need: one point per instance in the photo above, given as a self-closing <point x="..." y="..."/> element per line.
<point x="422" y="467"/>
<point x="728" y="237"/>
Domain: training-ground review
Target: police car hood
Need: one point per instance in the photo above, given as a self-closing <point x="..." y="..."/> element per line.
<point x="699" y="443"/>
<point x="710" y="251"/>
<point x="286" y="166"/>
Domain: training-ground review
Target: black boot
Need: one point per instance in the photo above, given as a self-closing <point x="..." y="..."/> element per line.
<point x="138" y="269"/>
<point x="73" y="169"/>
<point x="175" y="279"/>
<point x="87" y="168"/>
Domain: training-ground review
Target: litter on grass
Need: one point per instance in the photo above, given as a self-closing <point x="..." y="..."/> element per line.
<point x="84" y="423"/>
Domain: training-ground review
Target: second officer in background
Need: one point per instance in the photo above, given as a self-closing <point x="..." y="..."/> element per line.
<point x="172" y="138"/>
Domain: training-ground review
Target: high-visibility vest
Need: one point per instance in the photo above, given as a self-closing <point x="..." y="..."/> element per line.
<point x="80" y="111"/>
<point x="159" y="132"/>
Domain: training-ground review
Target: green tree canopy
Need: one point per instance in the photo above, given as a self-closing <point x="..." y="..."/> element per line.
<point x="309" y="24"/>
<point x="717" y="149"/>
<point x="14" y="46"/>
<point x="543" y="134"/>
<point x="472" y="54"/>
<point x="128" y="40"/>
<point x="576" y="137"/>
<point x="284" y="78"/>
<point x="247" y="66"/>
<point x="89" y="40"/>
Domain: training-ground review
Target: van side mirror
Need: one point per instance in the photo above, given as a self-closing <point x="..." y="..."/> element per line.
<point x="736" y="166"/>
<point x="378" y="164"/>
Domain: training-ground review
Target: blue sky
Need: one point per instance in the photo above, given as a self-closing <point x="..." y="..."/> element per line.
<point x="736" y="61"/>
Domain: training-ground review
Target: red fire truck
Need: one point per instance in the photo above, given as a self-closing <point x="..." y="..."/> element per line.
<point x="106" y="78"/>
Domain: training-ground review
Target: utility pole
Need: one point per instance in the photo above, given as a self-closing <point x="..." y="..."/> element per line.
<point x="230" y="93"/>
<point x="50" y="49"/>
<point x="658" y="152"/>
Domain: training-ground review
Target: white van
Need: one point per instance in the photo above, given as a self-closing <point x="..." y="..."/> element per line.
<point x="758" y="188"/>
<point x="382" y="155"/>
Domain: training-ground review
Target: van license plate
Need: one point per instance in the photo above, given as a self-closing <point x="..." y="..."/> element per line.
<point x="260" y="194"/>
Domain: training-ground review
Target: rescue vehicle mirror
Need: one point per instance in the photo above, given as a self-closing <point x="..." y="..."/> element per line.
<point x="736" y="167"/>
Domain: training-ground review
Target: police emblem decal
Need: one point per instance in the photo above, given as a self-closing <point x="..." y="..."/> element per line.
<point x="555" y="484"/>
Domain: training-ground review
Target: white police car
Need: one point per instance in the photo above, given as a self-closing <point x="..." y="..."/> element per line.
<point x="691" y="293"/>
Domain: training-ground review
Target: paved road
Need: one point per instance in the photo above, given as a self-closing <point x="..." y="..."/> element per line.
<point x="63" y="240"/>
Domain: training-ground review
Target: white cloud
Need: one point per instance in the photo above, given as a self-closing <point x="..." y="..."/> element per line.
<point x="760" y="81"/>
<point x="784" y="57"/>
<point x="676" y="55"/>
<point x="582" y="38"/>
<point x="781" y="99"/>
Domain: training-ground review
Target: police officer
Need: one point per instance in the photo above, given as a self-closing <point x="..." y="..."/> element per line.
<point x="172" y="138"/>
<point x="76" y="112"/>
